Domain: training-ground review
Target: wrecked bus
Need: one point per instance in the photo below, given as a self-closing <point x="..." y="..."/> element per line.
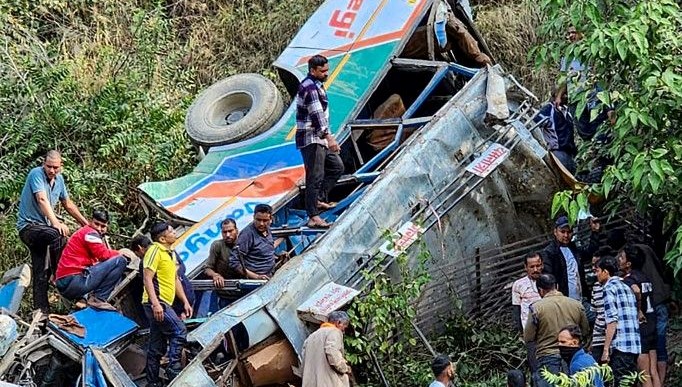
<point x="437" y="143"/>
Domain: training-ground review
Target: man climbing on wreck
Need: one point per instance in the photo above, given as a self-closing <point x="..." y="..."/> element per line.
<point x="88" y="266"/>
<point x="39" y="227"/>
<point x="161" y="286"/>
<point x="319" y="149"/>
<point x="253" y="256"/>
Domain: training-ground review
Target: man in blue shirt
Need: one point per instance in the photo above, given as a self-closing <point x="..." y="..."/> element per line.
<point x="573" y="354"/>
<point x="38" y="226"/>
<point x="253" y="256"/>
<point x="320" y="152"/>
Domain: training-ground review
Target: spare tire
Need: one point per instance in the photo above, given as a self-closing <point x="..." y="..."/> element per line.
<point x="234" y="109"/>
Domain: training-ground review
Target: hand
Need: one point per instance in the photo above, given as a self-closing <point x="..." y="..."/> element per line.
<point x="605" y="356"/>
<point x="157" y="310"/>
<point x="63" y="229"/>
<point x="641" y="317"/>
<point x="218" y="281"/>
<point x="283" y="256"/>
<point x="332" y="144"/>
<point x="188" y="310"/>
<point x="611" y="114"/>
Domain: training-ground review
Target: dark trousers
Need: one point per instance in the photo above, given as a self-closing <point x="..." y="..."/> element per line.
<point x="322" y="169"/>
<point x="100" y="279"/>
<point x="40" y="239"/>
<point x="622" y="364"/>
<point x="552" y="363"/>
<point x="170" y="334"/>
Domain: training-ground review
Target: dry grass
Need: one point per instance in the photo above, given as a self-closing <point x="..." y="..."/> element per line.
<point x="509" y="29"/>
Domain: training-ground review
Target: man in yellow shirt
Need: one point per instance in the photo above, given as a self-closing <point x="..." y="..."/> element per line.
<point x="161" y="286"/>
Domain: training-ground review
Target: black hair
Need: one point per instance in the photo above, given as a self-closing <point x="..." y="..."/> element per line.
<point x="516" y="378"/>
<point x="574" y="331"/>
<point x="262" y="209"/>
<point x="316" y="61"/>
<point x="140" y="241"/>
<point x="532" y="255"/>
<point x="100" y="215"/>
<point x="228" y="221"/>
<point x="158" y="230"/>
<point x="439" y="364"/>
<point x="546" y="282"/>
<point x="608" y="263"/>
<point x="634" y="256"/>
<point x="603" y="251"/>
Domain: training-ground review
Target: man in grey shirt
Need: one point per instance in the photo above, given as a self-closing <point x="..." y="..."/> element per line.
<point x="253" y="256"/>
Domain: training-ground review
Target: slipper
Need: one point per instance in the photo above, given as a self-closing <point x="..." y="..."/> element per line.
<point x="319" y="225"/>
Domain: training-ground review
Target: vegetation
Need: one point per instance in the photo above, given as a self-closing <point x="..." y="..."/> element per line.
<point x="633" y="51"/>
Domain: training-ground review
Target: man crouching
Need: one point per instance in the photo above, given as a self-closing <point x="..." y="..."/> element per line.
<point x="89" y="266"/>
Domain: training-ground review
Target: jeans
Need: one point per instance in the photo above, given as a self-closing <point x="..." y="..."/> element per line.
<point x="100" y="279"/>
<point x="552" y="363"/>
<point x="170" y="333"/>
<point x="622" y="364"/>
<point x="45" y="244"/>
<point x="322" y="169"/>
<point x="661" y="330"/>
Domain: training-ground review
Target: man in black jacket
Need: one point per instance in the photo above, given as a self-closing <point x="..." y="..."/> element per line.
<point x="564" y="260"/>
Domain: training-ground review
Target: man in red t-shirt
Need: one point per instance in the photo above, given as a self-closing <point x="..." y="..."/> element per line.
<point x="89" y="266"/>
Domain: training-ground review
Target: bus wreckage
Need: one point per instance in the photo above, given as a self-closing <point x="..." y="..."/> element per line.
<point x="437" y="142"/>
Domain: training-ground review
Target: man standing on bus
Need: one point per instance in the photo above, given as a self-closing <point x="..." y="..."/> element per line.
<point x="319" y="149"/>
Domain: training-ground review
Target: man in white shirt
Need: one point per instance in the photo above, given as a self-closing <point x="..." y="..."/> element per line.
<point x="443" y="371"/>
<point x="524" y="293"/>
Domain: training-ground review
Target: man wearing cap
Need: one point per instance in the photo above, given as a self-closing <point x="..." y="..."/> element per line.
<point x="564" y="260"/>
<point x="161" y="286"/>
<point x="443" y="371"/>
<point x="323" y="363"/>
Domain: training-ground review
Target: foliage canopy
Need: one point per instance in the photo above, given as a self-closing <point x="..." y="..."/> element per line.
<point x="633" y="56"/>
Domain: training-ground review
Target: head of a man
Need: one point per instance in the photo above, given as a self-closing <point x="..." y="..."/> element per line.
<point x="100" y="221"/>
<point x="516" y="378"/>
<point x="569" y="339"/>
<point x="573" y="35"/>
<point x="228" y="229"/>
<point x="630" y="258"/>
<point x="533" y="265"/>
<point x="52" y="164"/>
<point x="339" y="318"/>
<point x="563" y="231"/>
<point x="139" y="245"/>
<point x="442" y="367"/>
<point x="318" y="67"/>
<point x="163" y="233"/>
<point x="262" y="218"/>
<point x="607" y="267"/>
<point x="546" y="284"/>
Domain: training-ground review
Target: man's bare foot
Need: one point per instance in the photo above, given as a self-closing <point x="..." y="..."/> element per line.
<point x="326" y="206"/>
<point x="100" y="304"/>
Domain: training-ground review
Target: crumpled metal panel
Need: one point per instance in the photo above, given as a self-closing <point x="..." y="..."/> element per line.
<point x="426" y="164"/>
<point x="194" y="375"/>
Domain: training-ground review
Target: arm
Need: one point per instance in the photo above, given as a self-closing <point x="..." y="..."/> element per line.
<point x="638" y="295"/>
<point x="611" y="319"/>
<point x="72" y="209"/>
<point x="333" y="350"/>
<point x="209" y="271"/>
<point x="98" y="248"/>
<point x="180" y="293"/>
<point x="610" y="332"/>
<point x="531" y="329"/>
<point x="244" y="243"/>
<point x="46" y="210"/>
<point x="148" y="278"/>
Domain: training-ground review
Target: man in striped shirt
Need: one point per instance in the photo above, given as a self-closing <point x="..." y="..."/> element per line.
<point x="599" y="330"/>
<point x="622" y="343"/>
<point x="319" y="149"/>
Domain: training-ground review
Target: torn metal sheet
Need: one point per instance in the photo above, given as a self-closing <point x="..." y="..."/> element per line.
<point x="327" y="299"/>
<point x="12" y="286"/>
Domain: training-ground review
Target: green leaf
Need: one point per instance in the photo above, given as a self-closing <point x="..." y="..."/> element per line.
<point x="656" y="167"/>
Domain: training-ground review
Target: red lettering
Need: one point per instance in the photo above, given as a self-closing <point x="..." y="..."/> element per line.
<point x="354" y="5"/>
<point x="342" y="21"/>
